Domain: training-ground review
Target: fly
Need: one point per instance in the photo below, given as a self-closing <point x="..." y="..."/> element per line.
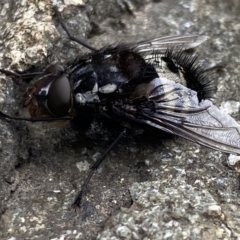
<point x="152" y="82"/>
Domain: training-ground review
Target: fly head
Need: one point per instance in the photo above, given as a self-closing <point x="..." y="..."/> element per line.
<point x="50" y="95"/>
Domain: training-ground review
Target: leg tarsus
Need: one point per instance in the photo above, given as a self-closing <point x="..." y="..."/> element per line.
<point x="22" y="75"/>
<point x="78" y="199"/>
<point x="34" y="119"/>
<point x="71" y="37"/>
<point x="10" y="74"/>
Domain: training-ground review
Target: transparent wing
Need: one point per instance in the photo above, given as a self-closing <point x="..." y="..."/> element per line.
<point x="174" y="108"/>
<point x="162" y="43"/>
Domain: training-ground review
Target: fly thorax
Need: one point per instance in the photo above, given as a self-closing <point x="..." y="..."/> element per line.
<point x="90" y="96"/>
<point x="86" y="89"/>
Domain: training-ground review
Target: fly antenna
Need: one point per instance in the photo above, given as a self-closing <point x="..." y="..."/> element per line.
<point x="71" y="37"/>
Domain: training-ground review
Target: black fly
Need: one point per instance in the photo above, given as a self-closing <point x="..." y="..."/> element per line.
<point x="152" y="82"/>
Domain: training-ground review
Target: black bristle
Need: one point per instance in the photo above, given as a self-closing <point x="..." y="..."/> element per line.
<point x="195" y="76"/>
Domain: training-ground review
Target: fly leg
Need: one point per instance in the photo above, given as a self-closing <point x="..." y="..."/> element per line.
<point x="25" y="75"/>
<point x="34" y="119"/>
<point x="71" y="37"/>
<point x="77" y="202"/>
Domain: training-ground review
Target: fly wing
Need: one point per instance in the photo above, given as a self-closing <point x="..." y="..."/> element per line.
<point x="161" y="44"/>
<point x="171" y="107"/>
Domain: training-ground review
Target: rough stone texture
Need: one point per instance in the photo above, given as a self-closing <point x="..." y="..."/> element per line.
<point x="148" y="187"/>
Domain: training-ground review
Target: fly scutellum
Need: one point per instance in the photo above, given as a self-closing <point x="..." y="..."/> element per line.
<point x="152" y="82"/>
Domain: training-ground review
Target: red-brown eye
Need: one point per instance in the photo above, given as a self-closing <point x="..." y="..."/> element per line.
<point x="59" y="96"/>
<point x="50" y="95"/>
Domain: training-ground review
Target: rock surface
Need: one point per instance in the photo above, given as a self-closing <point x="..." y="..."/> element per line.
<point x="147" y="188"/>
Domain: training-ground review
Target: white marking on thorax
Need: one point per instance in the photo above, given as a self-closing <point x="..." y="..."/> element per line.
<point x="88" y="97"/>
<point x="108" y="88"/>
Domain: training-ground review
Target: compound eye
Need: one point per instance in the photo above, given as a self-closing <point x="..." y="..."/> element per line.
<point x="59" y="97"/>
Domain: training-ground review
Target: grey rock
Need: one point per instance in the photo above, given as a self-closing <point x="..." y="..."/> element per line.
<point x="161" y="188"/>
